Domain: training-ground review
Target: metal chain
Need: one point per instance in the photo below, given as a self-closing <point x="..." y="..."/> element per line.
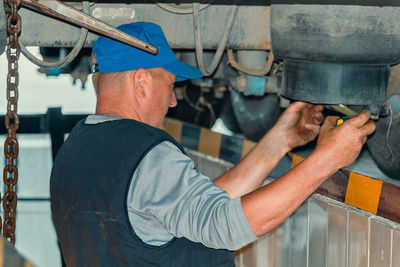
<point x="10" y="173"/>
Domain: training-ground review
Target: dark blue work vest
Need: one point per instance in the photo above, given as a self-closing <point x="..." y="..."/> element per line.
<point x="89" y="184"/>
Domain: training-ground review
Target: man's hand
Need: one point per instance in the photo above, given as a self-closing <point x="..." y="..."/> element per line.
<point x="337" y="147"/>
<point x="341" y="145"/>
<point x="299" y="124"/>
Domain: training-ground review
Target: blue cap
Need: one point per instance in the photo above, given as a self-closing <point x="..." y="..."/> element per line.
<point x="114" y="56"/>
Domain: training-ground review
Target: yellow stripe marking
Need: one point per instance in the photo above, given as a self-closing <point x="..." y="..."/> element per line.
<point x="247" y="146"/>
<point x="296" y="159"/>
<point x="28" y="264"/>
<point x="209" y="142"/>
<point x="174" y="128"/>
<point x="363" y="192"/>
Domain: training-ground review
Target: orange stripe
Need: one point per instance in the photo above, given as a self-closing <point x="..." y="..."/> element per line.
<point x="296" y="159"/>
<point x="209" y="142"/>
<point x="174" y="128"/>
<point x="363" y="192"/>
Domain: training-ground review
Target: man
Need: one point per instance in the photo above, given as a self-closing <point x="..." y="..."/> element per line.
<point x="125" y="194"/>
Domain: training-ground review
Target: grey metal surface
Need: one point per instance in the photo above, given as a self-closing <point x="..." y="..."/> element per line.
<point x="249" y="255"/>
<point x="337" y="236"/>
<point x="380" y="245"/>
<point x="262" y="245"/>
<point x="3" y="28"/>
<point x="299" y="236"/>
<point x="250" y="29"/>
<point x="396" y="248"/>
<point x="252" y="59"/>
<point x="358" y="240"/>
<point x="278" y="253"/>
<point x="286" y="244"/>
<point x="318" y="226"/>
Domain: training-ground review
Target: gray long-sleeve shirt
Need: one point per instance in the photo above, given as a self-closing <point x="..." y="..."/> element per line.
<point x="169" y="198"/>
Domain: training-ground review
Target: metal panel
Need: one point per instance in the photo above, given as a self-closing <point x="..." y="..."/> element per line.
<point x="337" y="236"/>
<point x="276" y="252"/>
<point x="380" y="241"/>
<point x="318" y="226"/>
<point x="299" y="236"/>
<point x="286" y="254"/>
<point x="358" y="240"/>
<point x="272" y="250"/>
<point x="264" y="251"/>
<point x="250" y="29"/>
<point x="396" y="249"/>
<point x="249" y="255"/>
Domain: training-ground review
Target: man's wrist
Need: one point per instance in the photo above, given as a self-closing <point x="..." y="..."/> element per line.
<point x="275" y="144"/>
<point x="323" y="162"/>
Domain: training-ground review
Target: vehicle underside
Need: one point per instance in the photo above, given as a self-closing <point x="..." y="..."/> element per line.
<point x="256" y="57"/>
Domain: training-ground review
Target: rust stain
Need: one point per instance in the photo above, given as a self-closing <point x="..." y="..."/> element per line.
<point x="265" y="44"/>
<point x="266" y="11"/>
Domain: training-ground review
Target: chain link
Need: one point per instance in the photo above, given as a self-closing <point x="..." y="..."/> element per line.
<point x="11" y="148"/>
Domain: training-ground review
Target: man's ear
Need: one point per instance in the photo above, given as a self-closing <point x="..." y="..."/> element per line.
<point x="140" y="81"/>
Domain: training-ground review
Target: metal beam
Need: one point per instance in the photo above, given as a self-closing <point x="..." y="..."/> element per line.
<point x="61" y="11"/>
<point x="250" y="30"/>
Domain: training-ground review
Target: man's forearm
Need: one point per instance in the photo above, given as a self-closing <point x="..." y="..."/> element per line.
<point x="270" y="205"/>
<point x="249" y="173"/>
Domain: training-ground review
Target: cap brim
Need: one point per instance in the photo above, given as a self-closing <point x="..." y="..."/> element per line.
<point x="183" y="71"/>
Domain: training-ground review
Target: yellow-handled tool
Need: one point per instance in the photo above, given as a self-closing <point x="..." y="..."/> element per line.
<point x="344" y="110"/>
<point x="342" y="119"/>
